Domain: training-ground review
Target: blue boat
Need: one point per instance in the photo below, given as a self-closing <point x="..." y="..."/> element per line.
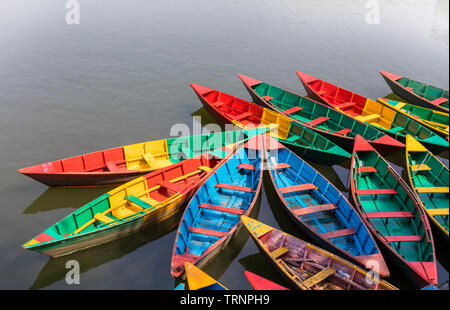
<point x="320" y="209"/>
<point x="211" y="218"/>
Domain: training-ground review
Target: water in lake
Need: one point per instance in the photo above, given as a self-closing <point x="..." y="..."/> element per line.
<point x="122" y="75"/>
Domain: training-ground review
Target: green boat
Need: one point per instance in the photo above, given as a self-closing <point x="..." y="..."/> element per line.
<point x="429" y="178"/>
<point x="328" y="122"/>
<point x="434" y="120"/>
<point x="393" y="213"/>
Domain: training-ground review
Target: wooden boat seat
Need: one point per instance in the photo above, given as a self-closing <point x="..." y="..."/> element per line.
<point x="403" y="238"/>
<point x="408" y="88"/>
<point x="242" y="116"/>
<point x="377" y="215"/>
<point x="368" y="118"/>
<point x="321" y="92"/>
<point x="155" y="163"/>
<point x="367" y="169"/>
<point x="345" y="105"/>
<point x="436" y="212"/>
<point x="281" y="166"/>
<point x="139" y="202"/>
<point x="221" y="208"/>
<point x="344" y="131"/>
<point x="268" y="98"/>
<point x="246" y="167"/>
<point x="338" y="233"/>
<point x="422" y="167"/>
<point x="319" y="277"/>
<point x="235" y="187"/>
<point x="431" y="190"/>
<point x="293" y="110"/>
<point x="314" y="209"/>
<point x="297" y="188"/>
<point x="396" y="129"/>
<point x="439" y="101"/>
<point x="111" y="166"/>
<point x="208" y="232"/>
<point x="379" y="191"/>
<point x="317" y="121"/>
<point x="103" y="218"/>
<point x="277" y="253"/>
<point x="292" y="138"/>
<point x="204" y="168"/>
<point x="170" y="186"/>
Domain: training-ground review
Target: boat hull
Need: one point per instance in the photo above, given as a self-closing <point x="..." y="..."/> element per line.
<point x="411" y="97"/>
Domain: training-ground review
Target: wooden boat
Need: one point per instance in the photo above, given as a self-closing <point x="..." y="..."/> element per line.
<point x="144" y="201"/>
<point x="320" y="209"/>
<point x="393" y="213"/>
<point x="417" y="93"/>
<point x="199" y="280"/>
<point x="429" y="178"/>
<point x="121" y="164"/>
<point x="434" y="120"/>
<point x="211" y="218"/>
<point x="302" y="140"/>
<point x="260" y="283"/>
<point x="307" y="267"/>
<point x="331" y="124"/>
<point x="366" y="110"/>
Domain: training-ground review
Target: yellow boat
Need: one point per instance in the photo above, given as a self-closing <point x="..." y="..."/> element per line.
<point x="434" y="120"/>
<point x="429" y="178"/>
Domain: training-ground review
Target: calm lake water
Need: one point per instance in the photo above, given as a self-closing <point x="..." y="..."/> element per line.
<point x="122" y="76"/>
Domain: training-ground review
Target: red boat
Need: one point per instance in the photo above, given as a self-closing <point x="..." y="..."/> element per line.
<point x="260" y="283"/>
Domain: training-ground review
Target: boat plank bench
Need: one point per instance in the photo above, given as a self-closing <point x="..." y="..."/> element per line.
<point x="138" y="202"/>
<point x="368" y="118"/>
<point x="421" y="167"/>
<point x="169" y="186"/>
<point x="268" y="98"/>
<point x="246" y="167"/>
<point x="403" y="238"/>
<point x="439" y="101"/>
<point x="297" y="188"/>
<point x="319" y="277"/>
<point x="293" y="110"/>
<point x="339" y="233"/>
<point x="367" y="169"/>
<point x="378" y="215"/>
<point x="208" y="232"/>
<point x="111" y="166"/>
<point x="314" y="209"/>
<point x="235" y="187"/>
<point x="436" y="212"/>
<point x="277" y="253"/>
<point x="221" y="208"/>
<point x="442" y="190"/>
<point x="281" y="166"/>
<point x="344" y="131"/>
<point x="103" y="218"/>
<point x="242" y="116"/>
<point x="317" y="121"/>
<point x="321" y="92"/>
<point x="379" y="191"/>
<point x="396" y="129"/>
<point x="345" y="105"/>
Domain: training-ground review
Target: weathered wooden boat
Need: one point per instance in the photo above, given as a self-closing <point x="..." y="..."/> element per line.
<point x="320" y="209"/>
<point x="144" y="201"/>
<point x="393" y="213"/>
<point x="305" y="142"/>
<point x="417" y="93"/>
<point x="429" y="178"/>
<point x="211" y="218"/>
<point x="371" y="112"/>
<point x="199" y="280"/>
<point x="307" y="267"/>
<point x="121" y="164"/>
<point x="260" y="283"/>
<point x="331" y="124"/>
<point x="434" y="120"/>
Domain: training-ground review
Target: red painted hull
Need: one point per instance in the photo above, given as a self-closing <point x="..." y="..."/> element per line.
<point x="260" y="283"/>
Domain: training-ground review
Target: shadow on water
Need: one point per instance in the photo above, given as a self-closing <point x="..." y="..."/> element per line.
<point x="259" y="264"/>
<point x="219" y="264"/>
<point x="55" y="269"/>
<point x="64" y="197"/>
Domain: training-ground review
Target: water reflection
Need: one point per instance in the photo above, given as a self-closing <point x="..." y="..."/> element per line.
<point x="65" y="197"/>
<point x="439" y="28"/>
<point x="55" y="269"/>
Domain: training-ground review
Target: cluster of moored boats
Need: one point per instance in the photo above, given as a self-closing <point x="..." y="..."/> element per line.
<point x="215" y="181"/>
